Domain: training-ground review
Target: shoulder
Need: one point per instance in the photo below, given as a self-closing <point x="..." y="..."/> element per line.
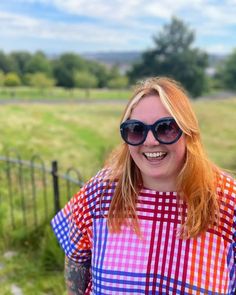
<point x="226" y="189"/>
<point x="101" y="176"/>
<point x="227" y="183"/>
<point x="95" y="187"/>
<point x="99" y="181"/>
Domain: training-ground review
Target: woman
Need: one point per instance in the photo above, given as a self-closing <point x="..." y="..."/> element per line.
<point x="159" y="218"/>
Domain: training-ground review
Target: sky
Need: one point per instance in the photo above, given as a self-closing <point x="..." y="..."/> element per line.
<point x="86" y="26"/>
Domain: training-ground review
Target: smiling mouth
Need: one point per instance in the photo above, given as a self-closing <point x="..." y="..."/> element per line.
<point x="155" y="156"/>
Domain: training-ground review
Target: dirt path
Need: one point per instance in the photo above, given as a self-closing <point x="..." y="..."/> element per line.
<point x="218" y="95"/>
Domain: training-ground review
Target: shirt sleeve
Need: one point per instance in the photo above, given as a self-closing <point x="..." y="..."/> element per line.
<point x="234" y="237"/>
<point x="72" y="227"/>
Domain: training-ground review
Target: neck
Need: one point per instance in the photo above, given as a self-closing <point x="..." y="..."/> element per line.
<point x="160" y="185"/>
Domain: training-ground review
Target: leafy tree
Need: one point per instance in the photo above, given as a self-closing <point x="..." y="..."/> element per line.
<point x="39" y="63"/>
<point x="22" y="60"/>
<point x="65" y="68"/>
<point x="100" y="71"/>
<point x="118" y="82"/>
<point x="114" y="72"/>
<point x="227" y="72"/>
<point x="6" y="63"/>
<point x="85" y="80"/>
<point x="2" y="78"/>
<point x="40" y="80"/>
<point x="12" y="80"/>
<point x="174" y="56"/>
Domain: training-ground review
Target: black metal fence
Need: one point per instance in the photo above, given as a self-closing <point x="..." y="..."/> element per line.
<point x="30" y="193"/>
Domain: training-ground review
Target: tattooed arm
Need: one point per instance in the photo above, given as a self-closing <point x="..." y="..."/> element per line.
<point x="77" y="277"/>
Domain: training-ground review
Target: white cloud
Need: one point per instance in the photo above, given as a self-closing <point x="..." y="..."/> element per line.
<point x="133" y="8"/>
<point x="18" y="25"/>
<point x="121" y="24"/>
<point x="116" y="9"/>
<point x="164" y="9"/>
<point x="220" y="14"/>
<point x="14" y="23"/>
<point x="129" y="11"/>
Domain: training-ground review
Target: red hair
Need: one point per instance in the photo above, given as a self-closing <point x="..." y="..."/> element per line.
<point x="196" y="183"/>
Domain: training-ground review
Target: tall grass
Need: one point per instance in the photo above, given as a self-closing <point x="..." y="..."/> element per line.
<point x="76" y="135"/>
<point x="80" y="135"/>
<point x="217" y="119"/>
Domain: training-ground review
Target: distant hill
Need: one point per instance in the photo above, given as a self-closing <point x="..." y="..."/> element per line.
<point x="122" y="59"/>
<point x="216" y="59"/>
<point x="114" y="57"/>
<point x="125" y="59"/>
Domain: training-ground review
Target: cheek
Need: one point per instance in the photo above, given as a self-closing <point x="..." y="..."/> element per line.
<point x="134" y="151"/>
<point x="181" y="150"/>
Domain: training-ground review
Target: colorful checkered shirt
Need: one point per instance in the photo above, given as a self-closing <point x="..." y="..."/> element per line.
<point x="158" y="262"/>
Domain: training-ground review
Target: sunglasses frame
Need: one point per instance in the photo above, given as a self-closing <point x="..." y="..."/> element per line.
<point x="147" y="128"/>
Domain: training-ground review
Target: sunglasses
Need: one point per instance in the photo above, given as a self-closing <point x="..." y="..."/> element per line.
<point x="165" y="131"/>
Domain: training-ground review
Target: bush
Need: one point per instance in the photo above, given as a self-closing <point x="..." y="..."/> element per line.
<point x="12" y="80"/>
<point x="85" y="80"/>
<point x="40" y="80"/>
<point x="2" y="78"/>
<point x="118" y="83"/>
<point x="227" y="72"/>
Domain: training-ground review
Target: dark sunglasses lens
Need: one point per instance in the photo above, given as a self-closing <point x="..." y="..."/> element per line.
<point x="167" y="131"/>
<point x="133" y="133"/>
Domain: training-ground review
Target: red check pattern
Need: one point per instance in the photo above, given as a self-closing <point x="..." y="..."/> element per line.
<point x="158" y="262"/>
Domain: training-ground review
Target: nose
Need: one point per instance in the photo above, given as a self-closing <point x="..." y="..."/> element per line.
<point x="150" y="139"/>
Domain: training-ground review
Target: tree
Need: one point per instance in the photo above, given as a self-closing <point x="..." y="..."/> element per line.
<point x="100" y="71"/>
<point x="114" y="72"/>
<point x="174" y="56"/>
<point x="65" y="68"/>
<point x="227" y="72"/>
<point x="21" y="59"/>
<point x="119" y="82"/>
<point x="39" y="63"/>
<point x="2" y="78"/>
<point x="85" y="80"/>
<point x="40" y="80"/>
<point x="6" y="63"/>
<point x="12" y="80"/>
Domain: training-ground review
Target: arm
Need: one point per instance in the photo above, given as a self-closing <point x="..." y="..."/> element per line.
<point x="77" y="277"/>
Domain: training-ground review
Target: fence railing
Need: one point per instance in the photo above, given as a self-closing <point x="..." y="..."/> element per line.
<point x="30" y="193"/>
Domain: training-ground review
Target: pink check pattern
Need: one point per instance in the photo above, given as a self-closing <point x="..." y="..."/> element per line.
<point x="158" y="262"/>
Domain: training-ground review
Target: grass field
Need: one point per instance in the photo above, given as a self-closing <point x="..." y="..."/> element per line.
<point x="81" y="135"/>
<point x="76" y="135"/>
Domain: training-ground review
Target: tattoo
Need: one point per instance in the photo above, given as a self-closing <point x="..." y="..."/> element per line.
<point x="77" y="276"/>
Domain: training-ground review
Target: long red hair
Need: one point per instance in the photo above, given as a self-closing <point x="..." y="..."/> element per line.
<point x="196" y="182"/>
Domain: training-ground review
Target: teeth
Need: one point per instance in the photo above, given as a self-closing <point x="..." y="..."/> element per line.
<point x="154" y="155"/>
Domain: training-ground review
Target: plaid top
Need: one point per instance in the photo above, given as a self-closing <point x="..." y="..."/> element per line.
<point x="158" y="262"/>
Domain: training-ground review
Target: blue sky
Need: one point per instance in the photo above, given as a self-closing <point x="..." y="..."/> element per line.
<point x="57" y="26"/>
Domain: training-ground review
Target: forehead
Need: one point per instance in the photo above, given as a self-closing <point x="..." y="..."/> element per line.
<point x="149" y="108"/>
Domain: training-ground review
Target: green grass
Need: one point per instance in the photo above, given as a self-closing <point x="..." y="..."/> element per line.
<point x="36" y="267"/>
<point x="80" y="135"/>
<point x="217" y="122"/>
<point x="75" y="135"/>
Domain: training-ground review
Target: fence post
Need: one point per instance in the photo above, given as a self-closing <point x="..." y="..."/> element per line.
<point x="55" y="186"/>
